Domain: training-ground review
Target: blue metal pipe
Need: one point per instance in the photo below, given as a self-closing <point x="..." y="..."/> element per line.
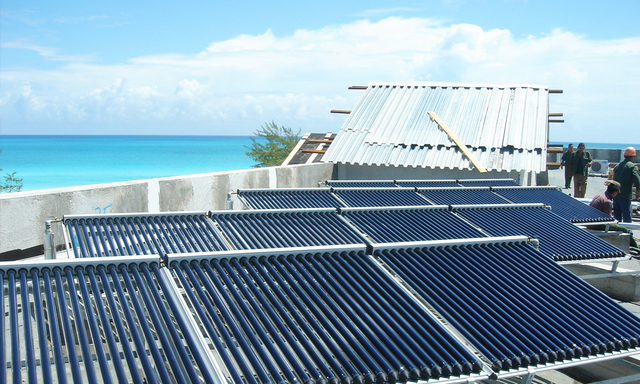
<point x="168" y="320"/>
<point x="498" y="294"/>
<point x="290" y="367"/>
<point x="104" y="231"/>
<point x="153" y="348"/>
<point x="77" y="241"/>
<point x="380" y="307"/>
<point x="382" y="369"/>
<point x="240" y="318"/>
<point x="106" y="325"/>
<point x="117" y="321"/>
<point x="375" y="316"/>
<point x="26" y="319"/>
<point x="97" y="339"/>
<point x="90" y="241"/>
<point x="133" y="330"/>
<point x="69" y="341"/>
<point x="488" y="344"/>
<point x="280" y="288"/>
<point x="56" y="345"/>
<point x="300" y="344"/>
<point x="119" y="245"/>
<point x="405" y="308"/>
<point x="346" y="345"/>
<point x="127" y="243"/>
<point x="221" y="327"/>
<point x="79" y="321"/>
<point x="3" y="361"/>
<point x="13" y="319"/>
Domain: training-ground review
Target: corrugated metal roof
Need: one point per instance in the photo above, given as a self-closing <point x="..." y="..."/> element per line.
<point x="504" y="126"/>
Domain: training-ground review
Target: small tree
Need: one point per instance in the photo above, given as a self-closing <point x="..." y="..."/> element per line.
<point x="280" y="142"/>
<point x="10" y="183"/>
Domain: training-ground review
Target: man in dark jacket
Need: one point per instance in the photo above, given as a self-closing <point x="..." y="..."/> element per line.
<point x="626" y="173"/>
<point x="581" y="162"/>
<point x="566" y="161"/>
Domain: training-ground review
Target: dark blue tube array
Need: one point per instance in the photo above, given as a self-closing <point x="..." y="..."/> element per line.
<point x="558" y="238"/>
<point x="289" y="199"/>
<point x="487" y="183"/>
<point x="380" y="197"/>
<point x="328" y="317"/>
<point x="100" y="236"/>
<point x="86" y="323"/>
<point x="561" y="204"/>
<point x="361" y="184"/>
<point x="398" y="225"/>
<point x="545" y="314"/>
<point x="260" y="230"/>
<point x="461" y="196"/>
<point x="427" y="183"/>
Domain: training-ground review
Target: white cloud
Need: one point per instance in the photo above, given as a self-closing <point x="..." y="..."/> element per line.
<point x="233" y="86"/>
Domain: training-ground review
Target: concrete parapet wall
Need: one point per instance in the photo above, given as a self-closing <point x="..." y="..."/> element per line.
<point x="23" y="214"/>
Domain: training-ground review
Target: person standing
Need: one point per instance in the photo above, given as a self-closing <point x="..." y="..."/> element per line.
<point x="580" y="164"/>
<point x="566" y="161"/>
<point x="626" y="173"/>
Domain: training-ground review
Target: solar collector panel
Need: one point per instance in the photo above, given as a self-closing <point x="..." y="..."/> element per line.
<point x="339" y="328"/>
<point x="561" y="204"/>
<point x="283" y="229"/>
<point x="559" y="239"/>
<point x="460" y="196"/>
<point x="515" y="321"/>
<point x="91" y="323"/>
<point x="410" y="224"/>
<point x="380" y="197"/>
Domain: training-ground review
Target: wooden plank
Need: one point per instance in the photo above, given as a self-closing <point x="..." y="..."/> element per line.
<point x="340" y="111"/>
<point x="552" y="164"/>
<point x="313" y="151"/>
<point x="556" y="114"/>
<point x="320" y="141"/>
<point x="361" y="87"/>
<point x="554" y="150"/>
<point x="555" y="91"/>
<point x="556" y="121"/>
<point x="458" y="142"/>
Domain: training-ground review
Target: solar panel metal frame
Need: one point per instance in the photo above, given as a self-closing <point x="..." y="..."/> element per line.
<point x="238" y="254"/>
<point x="534" y="205"/>
<point x="256" y="212"/>
<point x="103" y="318"/>
<point x="249" y="205"/>
<point x="390" y="189"/>
<point x="497" y="190"/>
<point x="383" y="183"/>
<point x="461" y="189"/>
<point x="522" y="371"/>
<point x="370" y="239"/>
<point x="149" y="241"/>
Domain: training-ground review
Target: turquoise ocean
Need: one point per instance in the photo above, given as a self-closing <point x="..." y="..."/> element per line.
<point x="55" y="161"/>
<point x="44" y="162"/>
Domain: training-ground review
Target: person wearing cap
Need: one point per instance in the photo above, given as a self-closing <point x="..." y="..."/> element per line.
<point x="566" y="161"/>
<point x="626" y="173"/>
<point x="604" y="203"/>
<point x="580" y="164"/>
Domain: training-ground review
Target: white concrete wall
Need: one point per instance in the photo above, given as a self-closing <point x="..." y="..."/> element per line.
<point x="23" y="214"/>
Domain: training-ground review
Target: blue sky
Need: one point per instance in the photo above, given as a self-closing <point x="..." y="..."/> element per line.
<point x="225" y="68"/>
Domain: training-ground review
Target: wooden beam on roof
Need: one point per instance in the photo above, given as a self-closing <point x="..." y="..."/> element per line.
<point x="556" y="114"/>
<point x="554" y="150"/>
<point x="320" y="141"/>
<point x="555" y="91"/>
<point x="340" y="111"/>
<point x="456" y="139"/>
<point x="361" y="87"/>
<point x="313" y="151"/>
